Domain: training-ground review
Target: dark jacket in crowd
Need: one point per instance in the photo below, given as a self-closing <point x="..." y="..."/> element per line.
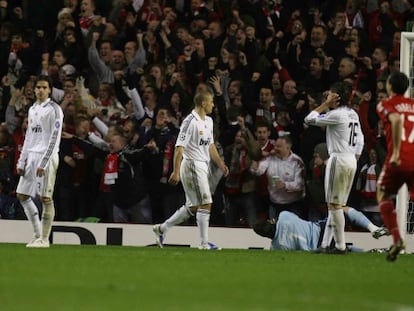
<point x="130" y="186"/>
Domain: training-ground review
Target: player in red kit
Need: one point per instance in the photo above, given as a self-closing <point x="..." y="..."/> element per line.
<point x="397" y="115"/>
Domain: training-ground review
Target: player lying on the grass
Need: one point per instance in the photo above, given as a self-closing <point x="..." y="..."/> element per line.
<point x="289" y="232"/>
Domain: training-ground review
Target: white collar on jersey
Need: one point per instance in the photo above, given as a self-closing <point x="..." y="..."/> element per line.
<point x="43" y="103"/>
<point x="196" y="115"/>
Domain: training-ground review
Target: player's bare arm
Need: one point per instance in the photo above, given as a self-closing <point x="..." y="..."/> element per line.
<point x="20" y="171"/>
<point x="217" y="159"/>
<point x="175" y="175"/>
<point x="396" y="132"/>
<point x="40" y="172"/>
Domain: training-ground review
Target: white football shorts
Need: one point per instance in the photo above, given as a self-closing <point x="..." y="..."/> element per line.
<point x="339" y="176"/>
<point x="30" y="184"/>
<point x="194" y="178"/>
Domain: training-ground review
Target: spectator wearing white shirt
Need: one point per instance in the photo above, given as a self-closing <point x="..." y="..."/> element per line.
<point x="285" y="172"/>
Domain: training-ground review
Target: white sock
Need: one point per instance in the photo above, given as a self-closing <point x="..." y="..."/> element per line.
<point x="32" y="214"/>
<point x="203" y="220"/>
<point x="327" y="233"/>
<point x="338" y="227"/>
<point x="180" y="215"/>
<point x="371" y="227"/>
<point x="47" y="218"/>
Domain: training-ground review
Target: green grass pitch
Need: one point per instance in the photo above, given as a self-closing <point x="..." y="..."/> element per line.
<point x="69" y="277"/>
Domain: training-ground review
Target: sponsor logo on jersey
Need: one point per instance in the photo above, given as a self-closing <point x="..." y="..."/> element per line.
<point x="204" y="142"/>
<point x="57" y="124"/>
<point x="37" y="129"/>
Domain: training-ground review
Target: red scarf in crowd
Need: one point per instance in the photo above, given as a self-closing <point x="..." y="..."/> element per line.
<point x="168" y="155"/>
<point x="110" y="172"/>
<point x="86" y="22"/>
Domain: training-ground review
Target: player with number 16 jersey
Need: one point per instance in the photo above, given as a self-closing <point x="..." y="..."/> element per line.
<point x="345" y="142"/>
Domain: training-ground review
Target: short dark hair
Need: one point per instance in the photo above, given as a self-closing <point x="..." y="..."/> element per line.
<point x="343" y="89"/>
<point x="239" y="82"/>
<point x="384" y="49"/>
<point x="106" y="41"/>
<point x="70" y="79"/>
<point x="265" y="228"/>
<point x="263" y="123"/>
<point x="399" y="82"/>
<point x="287" y="138"/>
<point x="44" y="78"/>
<point x="320" y="59"/>
<point x="81" y="118"/>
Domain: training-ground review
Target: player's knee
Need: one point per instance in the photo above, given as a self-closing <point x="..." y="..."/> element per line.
<point x="206" y="207"/>
<point x="333" y="206"/>
<point x="46" y="199"/>
<point x="22" y="197"/>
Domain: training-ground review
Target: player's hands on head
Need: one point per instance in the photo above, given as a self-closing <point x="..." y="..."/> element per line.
<point x="332" y="99"/>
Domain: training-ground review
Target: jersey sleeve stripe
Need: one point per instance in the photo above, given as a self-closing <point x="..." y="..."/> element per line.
<point x="55" y="134"/>
<point x="186" y="124"/>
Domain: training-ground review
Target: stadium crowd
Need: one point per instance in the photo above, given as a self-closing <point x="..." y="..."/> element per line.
<point x="130" y="68"/>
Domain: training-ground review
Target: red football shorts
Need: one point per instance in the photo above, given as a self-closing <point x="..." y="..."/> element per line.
<point x="393" y="177"/>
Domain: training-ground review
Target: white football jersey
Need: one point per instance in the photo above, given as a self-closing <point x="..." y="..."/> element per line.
<point x="343" y="129"/>
<point x="43" y="132"/>
<point x="196" y="136"/>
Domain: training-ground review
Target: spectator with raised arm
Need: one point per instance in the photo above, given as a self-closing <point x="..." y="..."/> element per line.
<point x="241" y="184"/>
<point x="122" y="173"/>
<point x="285" y="173"/>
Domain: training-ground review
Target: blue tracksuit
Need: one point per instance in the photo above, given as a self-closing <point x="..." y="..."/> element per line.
<point x="293" y="233"/>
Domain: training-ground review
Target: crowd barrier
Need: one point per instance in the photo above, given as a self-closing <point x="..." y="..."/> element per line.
<point x="79" y="233"/>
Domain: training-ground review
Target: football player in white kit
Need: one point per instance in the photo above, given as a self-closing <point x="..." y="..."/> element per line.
<point x="345" y="142"/>
<point x="193" y="150"/>
<point x="39" y="160"/>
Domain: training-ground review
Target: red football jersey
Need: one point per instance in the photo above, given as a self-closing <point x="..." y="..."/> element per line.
<point x="405" y="107"/>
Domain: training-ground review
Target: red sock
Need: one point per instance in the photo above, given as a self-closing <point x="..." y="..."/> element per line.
<point x="389" y="217"/>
